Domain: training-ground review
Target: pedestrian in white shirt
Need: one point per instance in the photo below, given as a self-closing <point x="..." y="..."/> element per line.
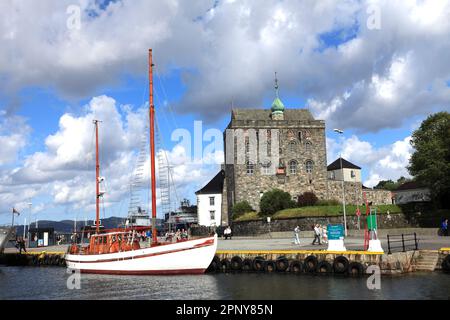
<point x="316" y="235"/>
<point x="296" y="235"/>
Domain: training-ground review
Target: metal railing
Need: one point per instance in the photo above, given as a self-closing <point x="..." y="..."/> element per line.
<point x="402" y="242"/>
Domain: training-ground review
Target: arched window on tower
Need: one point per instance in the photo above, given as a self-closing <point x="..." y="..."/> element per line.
<point x="292" y="146"/>
<point x="309" y="166"/>
<point x="292" y="167"/>
<point x="250" y="168"/>
<point x="308" y="146"/>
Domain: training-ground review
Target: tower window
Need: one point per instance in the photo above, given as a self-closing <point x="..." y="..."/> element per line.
<point x="292" y="146"/>
<point x="250" y="168"/>
<point x="308" y="146"/>
<point x="309" y="166"/>
<point x="293" y="167"/>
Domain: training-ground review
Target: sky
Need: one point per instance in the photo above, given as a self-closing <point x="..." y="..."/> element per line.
<point x="374" y="69"/>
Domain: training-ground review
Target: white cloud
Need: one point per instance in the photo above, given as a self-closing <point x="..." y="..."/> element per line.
<point x="65" y="171"/>
<point x="387" y="162"/>
<point x="222" y="46"/>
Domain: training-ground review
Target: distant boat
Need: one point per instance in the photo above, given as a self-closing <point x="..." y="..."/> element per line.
<point x="119" y="251"/>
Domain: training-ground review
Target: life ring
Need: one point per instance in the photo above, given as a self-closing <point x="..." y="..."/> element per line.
<point x="225" y="265"/>
<point x="56" y="260"/>
<point x="259" y="264"/>
<point x="355" y="268"/>
<point x="340" y="264"/>
<point x="212" y="266"/>
<point x="270" y="266"/>
<point x="324" y="267"/>
<point x="247" y="265"/>
<point x="236" y="263"/>
<point x="311" y="263"/>
<point x="282" y="264"/>
<point x="35" y="260"/>
<point x="446" y="264"/>
<point x="296" y="266"/>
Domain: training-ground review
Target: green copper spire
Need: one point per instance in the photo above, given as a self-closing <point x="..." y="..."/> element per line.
<point x="277" y="105"/>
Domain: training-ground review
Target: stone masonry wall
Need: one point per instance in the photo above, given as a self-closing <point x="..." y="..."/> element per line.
<point x="353" y="193"/>
<point x="310" y="146"/>
<point x="256" y="227"/>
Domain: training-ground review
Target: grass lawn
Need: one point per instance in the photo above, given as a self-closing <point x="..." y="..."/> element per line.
<point x="321" y="211"/>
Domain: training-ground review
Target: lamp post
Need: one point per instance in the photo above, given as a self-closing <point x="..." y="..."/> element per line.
<point x="343" y="186"/>
<point x="29" y="222"/>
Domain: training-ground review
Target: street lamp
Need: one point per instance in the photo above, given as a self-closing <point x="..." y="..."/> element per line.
<point x="29" y="222"/>
<point x="343" y="186"/>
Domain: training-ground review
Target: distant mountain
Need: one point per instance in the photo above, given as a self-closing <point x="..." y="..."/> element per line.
<point x="66" y="226"/>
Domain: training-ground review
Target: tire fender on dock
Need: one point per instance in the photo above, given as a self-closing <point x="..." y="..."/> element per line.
<point x="355" y="268"/>
<point x="340" y="264"/>
<point x="324" y="267"/>
<point x="225" y="265"/>
<point x="236" y="263"/>
<point x="259" y="264"/>
<point x="311" y="263"/>
<point x="247" y="264"/>
<point x="282" y="264"/>
<point x="270" y="266"/>
<point x="296" y="266"/>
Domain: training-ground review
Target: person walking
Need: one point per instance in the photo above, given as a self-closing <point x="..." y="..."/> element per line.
<point x="444" y="227"/>
<point x="316" y="235"/>
<point x="324" y="234"/>
<point x="296" y="235"/>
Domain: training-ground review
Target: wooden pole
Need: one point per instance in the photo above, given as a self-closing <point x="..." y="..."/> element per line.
<point x="152" y="147"/>
<point x="97" y="182"/>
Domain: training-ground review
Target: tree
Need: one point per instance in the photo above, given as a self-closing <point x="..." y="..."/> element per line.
<point x="275" y="200"/>
<point x="391" y="185"/>
<point x="430" y="162"/>
<point x="307" y="199"/>
<point x="240" y="208"/>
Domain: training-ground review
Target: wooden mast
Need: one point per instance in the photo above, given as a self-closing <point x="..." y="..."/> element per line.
<point x="97" y="180"/>
<point x="152" y="147"/>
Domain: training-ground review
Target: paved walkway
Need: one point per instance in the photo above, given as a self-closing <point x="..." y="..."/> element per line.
<point x="282" y="241"/>
<point x="351" y="243"/>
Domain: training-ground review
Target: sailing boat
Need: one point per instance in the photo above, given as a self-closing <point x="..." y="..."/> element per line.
<point x="118" y="251"/>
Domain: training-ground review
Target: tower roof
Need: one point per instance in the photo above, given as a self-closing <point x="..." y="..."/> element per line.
<point x="215" y="185"/>
<point x="337" y="165"/>
<point x="277" y="105"/>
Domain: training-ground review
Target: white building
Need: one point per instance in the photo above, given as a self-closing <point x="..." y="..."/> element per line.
<point x="352" y="173"/>
<point x="411" y="191"/>
<point x="209" y="201"/>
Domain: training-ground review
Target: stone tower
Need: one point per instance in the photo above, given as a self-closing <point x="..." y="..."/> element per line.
<point x="302" y="155"/>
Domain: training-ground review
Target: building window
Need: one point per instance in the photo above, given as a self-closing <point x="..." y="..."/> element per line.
<point x="212" y="215"/>
<point x="300" y="136"/>
<point x="332" y="175"/>
<point x="309" y="166"/>
<point x="267" y="168"/>
<point x="352" y="174"/>
<point x="292" y="167"/>
<point x="250" y="168"/>
<point x="292" y="146"/>
<point x="308" y="146"/>
<point x="211" y="201"/>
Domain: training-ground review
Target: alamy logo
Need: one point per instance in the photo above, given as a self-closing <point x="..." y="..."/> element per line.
<point x="374" y="281"/>
<point x="74" y="280"/>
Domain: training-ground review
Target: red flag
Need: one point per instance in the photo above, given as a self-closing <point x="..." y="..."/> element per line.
<point x="15" y="211"/>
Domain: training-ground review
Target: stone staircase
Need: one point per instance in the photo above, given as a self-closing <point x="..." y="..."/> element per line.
<point x="427" y="260"/>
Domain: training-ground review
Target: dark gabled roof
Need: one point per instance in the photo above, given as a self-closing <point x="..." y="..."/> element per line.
<point x="265" y="114"/>
<point x="346" y="164"/>
<point x="410" y="185"/>
<point x="215" y="185"/>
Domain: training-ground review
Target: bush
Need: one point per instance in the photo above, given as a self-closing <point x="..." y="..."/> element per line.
<point x="333" y="202"/>
<point x="241" y="208"/>
<point x="307" y="199"/>
<point x="275" y="200"/>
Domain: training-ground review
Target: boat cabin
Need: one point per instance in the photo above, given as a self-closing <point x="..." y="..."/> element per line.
<point x="108" y="243"/>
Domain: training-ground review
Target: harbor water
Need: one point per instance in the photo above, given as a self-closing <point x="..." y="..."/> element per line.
<point x="51" y="283"/>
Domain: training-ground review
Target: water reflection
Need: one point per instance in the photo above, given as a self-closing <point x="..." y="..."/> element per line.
<point x="50" y="283"/>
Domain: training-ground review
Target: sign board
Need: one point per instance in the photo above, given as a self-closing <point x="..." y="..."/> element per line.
<point x="335" y="231"/>
<point x="372" y="222"/>
<point x="268" y="219"/>
<point x="40" y="242"/>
